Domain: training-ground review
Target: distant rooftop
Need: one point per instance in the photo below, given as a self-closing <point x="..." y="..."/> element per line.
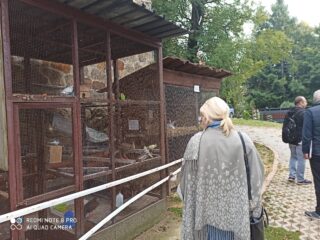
<point x="185" y="66"/>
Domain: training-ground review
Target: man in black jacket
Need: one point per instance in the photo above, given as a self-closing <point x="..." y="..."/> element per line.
<point x="311" y="147"/>
<point x="297" y="162"/>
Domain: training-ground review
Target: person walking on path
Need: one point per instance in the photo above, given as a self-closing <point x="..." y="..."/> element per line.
<point x="294" y="138"/>
<point x="311" y="147"/>
<point x="213" y="183"/>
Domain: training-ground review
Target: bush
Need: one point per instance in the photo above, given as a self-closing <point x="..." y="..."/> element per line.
<point x="286" y="104"/>
<point x="246" y="115"/>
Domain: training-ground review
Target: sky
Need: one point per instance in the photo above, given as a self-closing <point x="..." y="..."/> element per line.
<point x="304" y="10"/>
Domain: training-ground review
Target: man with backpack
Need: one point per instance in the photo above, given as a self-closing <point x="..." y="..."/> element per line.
<point x="311" y="147"/>
<point x="292" y="134"/>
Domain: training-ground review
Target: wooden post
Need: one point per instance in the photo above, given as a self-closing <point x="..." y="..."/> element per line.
<point x="77" y="131"/>
<point x="196" y="107"/>
<point x="118" y="106"/>
<point x="111" y="116"/>
<point x="3" y="116"/>
<point x="162" y="119"/>
<point x="7" y="76"/>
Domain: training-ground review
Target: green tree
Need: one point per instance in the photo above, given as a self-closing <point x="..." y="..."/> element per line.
<point x="216" y="35"/>
<point x="269" y="87"/>
<point x="297" y="73"/>
<point x="211" y="24"/>
<point x="266" y="48"/>
<point x="306" y="61"/>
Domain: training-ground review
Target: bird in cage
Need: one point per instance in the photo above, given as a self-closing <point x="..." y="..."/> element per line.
<point x="171" y="124"/>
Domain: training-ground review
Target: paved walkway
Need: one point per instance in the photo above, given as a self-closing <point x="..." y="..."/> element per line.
<point x="286" y="202"/>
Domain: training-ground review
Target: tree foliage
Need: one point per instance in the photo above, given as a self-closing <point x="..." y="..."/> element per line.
<point x="298" y="72"/>
<point x="279" y="60"/>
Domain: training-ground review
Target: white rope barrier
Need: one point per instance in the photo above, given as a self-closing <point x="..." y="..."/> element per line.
<point x="70" y="197"/>
<point x="122" y="207"/>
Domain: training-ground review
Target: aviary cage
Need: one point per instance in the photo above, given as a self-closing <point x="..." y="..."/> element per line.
<point x="187" y="86"/>
<point x="68" y="127"/>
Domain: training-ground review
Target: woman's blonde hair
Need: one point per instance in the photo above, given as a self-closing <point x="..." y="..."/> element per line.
<point x="215" y="109"/>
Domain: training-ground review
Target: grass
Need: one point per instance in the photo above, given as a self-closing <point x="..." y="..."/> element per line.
<point x="256" y="123"/>
<point x="267" y="157"/>
<point x="272" y="233"/>
<point x="176" y="210"/>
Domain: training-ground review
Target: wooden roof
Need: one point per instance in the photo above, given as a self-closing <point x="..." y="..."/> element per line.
<point x="130" y="15"/>
<point x="47" y="35"/>
<point x="177" y="64"/>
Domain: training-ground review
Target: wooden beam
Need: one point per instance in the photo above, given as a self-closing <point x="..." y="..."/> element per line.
<point x="7" y="74"/>
<point x="77" y="131"/>
<point x="3" y="117"/>
<point x="111" y="117"/>
<point x="162" y="119"/>
<point x="189" y="80"/>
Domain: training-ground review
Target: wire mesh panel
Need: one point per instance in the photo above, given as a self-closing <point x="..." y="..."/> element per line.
<point x="137" y="150"/>
<point x="182" y="109"/>
<point x="41" y="49"/>
<point x="137" y="122"/>
<point x="205" y="95"/>
<point x="4" y="192"/>
<point x="97" y="167"/>
<point x="5" y="230"/>
<point x="128" y="190"/>
<point x="182" y="106"/>
<point x="138" y="132"/>
<point x="93" y="63"/>
<point x="95" y="122"/>
<point x="46" y="150"/>
<point x="96" y="145"/>
<point x="142" y="85"/>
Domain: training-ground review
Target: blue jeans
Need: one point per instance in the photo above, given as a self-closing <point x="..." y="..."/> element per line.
<point x="297" y="163"/>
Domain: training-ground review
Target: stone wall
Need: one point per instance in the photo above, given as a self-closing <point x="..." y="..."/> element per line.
<point x="132" y="64"/>
<point x="147" y="3"/>
<point x="52" y="78"/>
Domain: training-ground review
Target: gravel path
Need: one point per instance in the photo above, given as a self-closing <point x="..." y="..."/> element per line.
<point x="286" y="202"/>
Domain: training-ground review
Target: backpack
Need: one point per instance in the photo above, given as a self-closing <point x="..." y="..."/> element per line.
<point x="289" y="130"/>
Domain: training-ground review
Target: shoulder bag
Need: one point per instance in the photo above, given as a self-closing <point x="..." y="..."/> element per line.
<point x="257" y="224"/>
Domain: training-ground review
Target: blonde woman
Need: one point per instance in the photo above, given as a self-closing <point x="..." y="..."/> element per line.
<point x="214" y="182"/>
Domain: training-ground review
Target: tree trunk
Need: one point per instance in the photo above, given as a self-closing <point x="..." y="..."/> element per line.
<point x="196" y="19"/>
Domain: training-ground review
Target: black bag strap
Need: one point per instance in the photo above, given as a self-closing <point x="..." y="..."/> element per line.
<point x="266" y="219"/>
<point x="247" y="165"/>
<point x="263" y="210"/>
<point x="296" y="113"/>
